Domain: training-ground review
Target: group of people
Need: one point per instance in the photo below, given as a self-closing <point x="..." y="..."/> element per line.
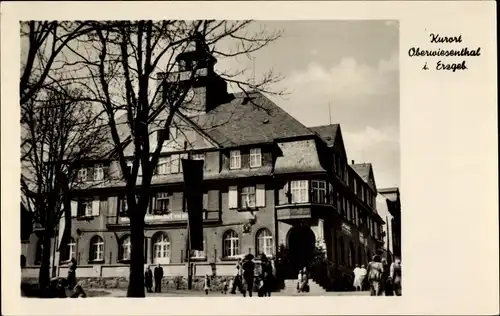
<point x="245" y="277"/>
<point x="382" y="278"/>
<point x="303" y="281"/>
<point x="148" y="279"/>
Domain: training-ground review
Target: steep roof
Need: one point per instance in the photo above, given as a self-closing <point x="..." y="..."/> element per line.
<point x="327" y="133"/>
<point x="248" y="120"/>
<point x="365" y="171"/>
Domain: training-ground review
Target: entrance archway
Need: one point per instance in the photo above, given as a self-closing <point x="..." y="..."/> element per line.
<point x="301" y="243"/>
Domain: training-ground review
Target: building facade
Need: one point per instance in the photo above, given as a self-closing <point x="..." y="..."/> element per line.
<point x="392" y="200"/>
<point x="269" y="181"/>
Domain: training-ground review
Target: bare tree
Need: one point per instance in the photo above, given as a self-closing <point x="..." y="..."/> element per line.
<point x="57" y="133"/>
<point x="119" y="64"/>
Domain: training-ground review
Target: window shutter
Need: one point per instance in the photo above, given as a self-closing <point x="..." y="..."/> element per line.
<point x="74" y="208"/>
<point x="105" y="170"/>
<point x="95" y="207"/>
<point x="260" y="195"/>
<point x="152" y="205"/>
<point x="233" y="197"/>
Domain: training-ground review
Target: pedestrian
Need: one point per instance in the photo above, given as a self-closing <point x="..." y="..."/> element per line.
<point x="148" y="280"/>
<point x="375" y="270"/>
<point x="362" y="277"/>
<point x="386" y="279"/>
<point x="267" y="275"/>
<point x="395" y="275"/>
<point x="206" y="285"/>
<point x="224" y="287"/>
<point x="357" y="280"/>
<point x="71" y="281"/>
<point x="248" y="267"/>
<point x="305" y="281"/>
<point x="299" y="281"/>
<point x="237" y="282"/>
<point x="158" y="274"/>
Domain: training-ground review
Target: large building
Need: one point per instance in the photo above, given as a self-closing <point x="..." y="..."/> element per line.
<point x="269" y="181"/>
<point x="392" y="208"/>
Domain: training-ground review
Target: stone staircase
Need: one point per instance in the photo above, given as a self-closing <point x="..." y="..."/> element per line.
<point x="291" y="288"/>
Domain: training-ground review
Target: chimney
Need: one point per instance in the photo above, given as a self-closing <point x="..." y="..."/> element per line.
<point x="352" y="162"/>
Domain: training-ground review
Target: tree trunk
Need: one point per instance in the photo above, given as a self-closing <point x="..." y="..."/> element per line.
<point x="44" y="273"/>
<point x="136" y="278"/>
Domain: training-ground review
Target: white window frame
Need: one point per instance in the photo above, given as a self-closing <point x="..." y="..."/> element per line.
<point x="163" y="166"/>
<point x="318" y="187"/>
<point x="265" y="242"/>
<point x="162" y="196"/>
<point x="231" y="244"/>
<point x="70" y="250"/>
<point x="98" y="172"/>
<point x="126" y="248"/>
<point x="86" y="205"/>
<point x="248" y="197"/>
<point x="299" y="190"/>
<point x="82" y="174"/>
<point x="234" y="159"/>
<point x="255" y="157"/>
<point x="161" y="249"/>
<point x="97" y="249"/>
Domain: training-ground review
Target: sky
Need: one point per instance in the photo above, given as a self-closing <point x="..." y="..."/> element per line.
<point x="351" y="66"/>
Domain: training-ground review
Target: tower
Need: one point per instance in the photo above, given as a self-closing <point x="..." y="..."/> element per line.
<point x="196" y="73"/>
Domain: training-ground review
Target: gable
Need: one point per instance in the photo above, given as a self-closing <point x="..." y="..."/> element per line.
<point x="339" y="146"/>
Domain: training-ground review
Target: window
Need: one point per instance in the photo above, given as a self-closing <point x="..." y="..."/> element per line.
<point x="161" y="249"/>
<point x="299" y="191"/>
<point x="69" y="251"/>
<point x="199" y="254"/>
<point x="247" y="197"/>
<point x="98" y="173"/>
<point x="168" y="165"/>
<point x="123" y="207"/>
<point x="125" y="248"/>
<point x="318" y="191"/>
<point x="355" y="186"/>
<point x="234" y="159"/>
<point x="85" y="208"/>
<point x="231" y="244"/>
<point x="264" y="242"/>
<point x="348" y="210"/>
<point x="82" y="174"/>
<point x="255" y="158"/>
<point x="162" y="203"/>
<point x="96" y="249"/>
<point x="351" y="255"/>
<point x="198" y="156"/>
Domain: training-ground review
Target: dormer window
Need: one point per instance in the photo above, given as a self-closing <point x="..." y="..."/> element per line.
<point x="235" y="159"/>
<point x="255" y="158"/>
<point x="98" y="173"/>
<point x="82" y="175"/>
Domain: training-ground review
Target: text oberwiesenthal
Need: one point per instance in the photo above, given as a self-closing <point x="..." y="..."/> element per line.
<point x="440" y="52"/>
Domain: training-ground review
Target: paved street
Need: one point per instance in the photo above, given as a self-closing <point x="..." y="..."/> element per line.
<point x="177" y="293"/>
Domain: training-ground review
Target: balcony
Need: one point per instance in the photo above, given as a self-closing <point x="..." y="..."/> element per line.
<point x="174" y="218"/>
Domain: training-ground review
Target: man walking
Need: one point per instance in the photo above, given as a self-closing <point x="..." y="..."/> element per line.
<point x="158" y="277"/>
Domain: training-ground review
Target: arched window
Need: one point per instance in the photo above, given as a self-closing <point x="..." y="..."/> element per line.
<point x="264" y="242"/>
<point x="96" y="249"/>
<point x="38" y="252"/>
<point x="161" y="248"/>
<point x="351" y="255"/>
<point x="68" y="251"/>
<point x="231" y="244"/>
<point x="342" y="250"/>
<point x="125" y="248"/>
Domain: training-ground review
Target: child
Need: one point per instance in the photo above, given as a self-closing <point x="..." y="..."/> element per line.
<point x="224" y="288"/>
<point x="207" y="285"/>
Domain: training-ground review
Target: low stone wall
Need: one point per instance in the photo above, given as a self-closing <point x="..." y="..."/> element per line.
<point x="178" y="282"/>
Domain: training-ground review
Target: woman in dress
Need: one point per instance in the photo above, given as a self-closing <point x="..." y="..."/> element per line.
<point x="395" y="275"/>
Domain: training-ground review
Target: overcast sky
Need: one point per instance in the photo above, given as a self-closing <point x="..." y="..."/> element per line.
<point x="354" y="67"/>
